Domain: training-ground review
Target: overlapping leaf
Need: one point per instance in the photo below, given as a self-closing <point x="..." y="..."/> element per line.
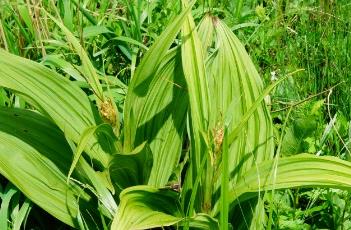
<point x="156" y="105"/>
<point x="303" y="170"/>
<point x="57" y="97"/>
<point x="140" y="83"/>
<point x="35" y="157"/>
<point x="235" y="86"/>
<point x="144" y="207"/>
<point x="199" y="105"/>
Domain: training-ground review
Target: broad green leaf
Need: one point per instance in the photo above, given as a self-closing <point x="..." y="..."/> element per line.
<point x="131" y="169"/>
<point x="237" y="102"/>
<point x="101" y="184"/>
<point x="199" y="103"/>
<point x="35" y="156"/>
<point x="302" y="170"/>
<point x="203" y="221"/>
<point x="161" y="118"/>
<point x="144" y="207"/>
<point x="140" y="83"/>
<point x="236" y="86"/>
<point x="87" y="135"/>
<point x="59" y="99"/>
<point x="195" y="74"/>
<point x="205" y="31"/>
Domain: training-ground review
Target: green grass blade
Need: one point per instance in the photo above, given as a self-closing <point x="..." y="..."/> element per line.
<point x="225" y="184"/>
<point x="9" y="192"/>
<point x="91" y="75"/>
<point x="22" y="214"/>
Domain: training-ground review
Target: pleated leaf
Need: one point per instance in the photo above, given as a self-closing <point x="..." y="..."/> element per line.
<point x="156" y="105"/>
<point x="303" y="170"/>
<point x="299" y="171"/>
<point x="144" y="207"/>
<point x="235" y="89"/>
<point x="35" y="157"/>
<point x="58" y="98"/>
<point x="199" y="105"/>
<point x="235" y="86"/>
<point x="195" y="74"/>
<point x="139" y="165"/>
<point x="144" y="74"/>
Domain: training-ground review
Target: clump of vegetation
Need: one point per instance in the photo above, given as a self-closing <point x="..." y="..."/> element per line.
<point x="152" y="114"/>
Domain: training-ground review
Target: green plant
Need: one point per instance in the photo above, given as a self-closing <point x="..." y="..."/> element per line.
<point x="14" y="209"/>
<point x="84" y="164"/>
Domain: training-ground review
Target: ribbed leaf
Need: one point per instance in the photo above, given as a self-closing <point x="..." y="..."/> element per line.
<point x="66" y="104"/>
<point x="140" y="83"/>
<point x="197" y="85"/>
<point x="236" y="86"/>
<point x="137" y="172"/>
<point x="87" y="135"/>
<point x="205" y="31"/>
<point x="203" y="221"/>
<point x="161" y="119"/>
<point x="195" y="74"/>
<point x="303" y="170"/>
<point x="35" y="156"/>
<point x="144" y="207"/>
<point x="157" y="115"/>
